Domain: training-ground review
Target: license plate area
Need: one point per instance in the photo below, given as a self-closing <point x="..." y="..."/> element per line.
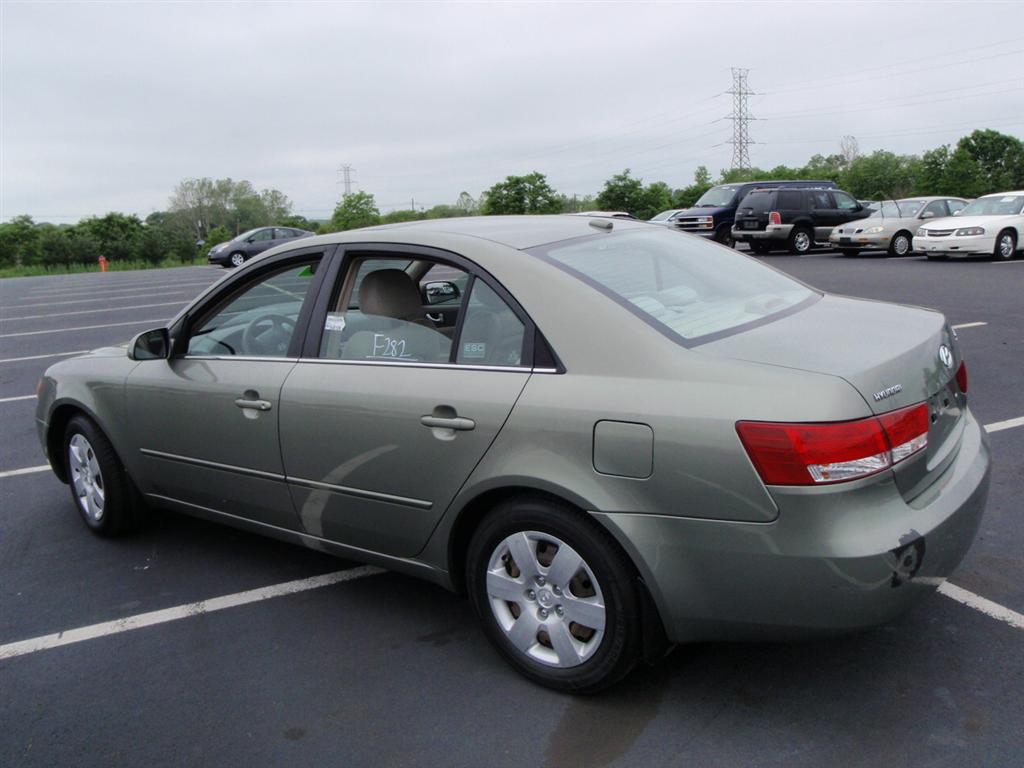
<point x="748" y="224"/>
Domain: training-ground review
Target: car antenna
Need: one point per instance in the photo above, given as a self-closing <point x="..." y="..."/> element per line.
<point x="604" y="224"/>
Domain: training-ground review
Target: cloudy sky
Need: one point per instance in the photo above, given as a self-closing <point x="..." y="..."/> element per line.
<point x="105" y="106"/>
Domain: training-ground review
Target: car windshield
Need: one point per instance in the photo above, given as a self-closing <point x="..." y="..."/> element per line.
<point x="717" y="197"/>
<point x="664" y="215"/>
<point x="686" y="288"/>
<point x="994" y="205"/>
<point x="896" y="209"/>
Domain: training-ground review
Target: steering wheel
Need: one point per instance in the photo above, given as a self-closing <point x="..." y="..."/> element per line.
<point x="268" y="335"/>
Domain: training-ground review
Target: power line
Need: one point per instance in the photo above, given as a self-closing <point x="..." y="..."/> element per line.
<point x="740" y="119"/>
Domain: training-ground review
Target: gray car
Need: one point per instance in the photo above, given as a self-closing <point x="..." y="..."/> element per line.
<point x="235" y="252"/>
<point x="613" y="437"/>
<point x="892" y="224"/>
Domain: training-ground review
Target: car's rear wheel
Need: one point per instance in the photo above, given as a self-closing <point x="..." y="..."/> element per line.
<point x="900" y="244"/>
<point x="555" y="595"/>
<point x="759" y="248"/>
<point x="100" y="487"/>
<point x="800" y="241"/>
<point x="237" y="259"/>
<point x="1006" y="245"/>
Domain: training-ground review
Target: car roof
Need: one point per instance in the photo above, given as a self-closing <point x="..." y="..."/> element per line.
<point x="519" y="232"/>
<point x="1005" y="194"/>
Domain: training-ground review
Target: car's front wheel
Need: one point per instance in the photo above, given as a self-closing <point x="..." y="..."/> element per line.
<point x="724" y="236"/>
<point x="237" y="259"/>
<point x="900" y="244"/>
<point x="1006" y="245"/>
<point x="100" y="487"/>
<point x="555" y="595"/>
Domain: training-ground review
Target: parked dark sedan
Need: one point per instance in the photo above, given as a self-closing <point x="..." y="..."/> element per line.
<point x="235" y="252"/>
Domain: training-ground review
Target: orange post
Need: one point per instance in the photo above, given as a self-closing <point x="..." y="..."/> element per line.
<point x="103" y="263"/>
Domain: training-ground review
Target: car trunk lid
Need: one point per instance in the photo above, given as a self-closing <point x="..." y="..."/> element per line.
<point x="890" y="354"/>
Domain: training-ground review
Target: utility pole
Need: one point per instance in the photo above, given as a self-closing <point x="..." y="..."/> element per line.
<point x="740" y="119"/>
<point x="346" y="178"/>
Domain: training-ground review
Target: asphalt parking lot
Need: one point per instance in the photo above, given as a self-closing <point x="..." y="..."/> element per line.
<point x="379" y="669"/>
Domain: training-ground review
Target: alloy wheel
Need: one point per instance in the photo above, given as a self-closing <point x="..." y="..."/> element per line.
<point x="546" y="599"/>
<point x="86" y="477"/>
<point x="1006" y="246"/>
<point x="802" y="242"/>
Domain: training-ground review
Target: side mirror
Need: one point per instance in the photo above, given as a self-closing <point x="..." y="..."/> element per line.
<point x="251" y="239"/>
<point x="150" y="345"/>
<point x="929" y="215"/>
<point x="440" y="292"/>
<point x="957" y="213"/>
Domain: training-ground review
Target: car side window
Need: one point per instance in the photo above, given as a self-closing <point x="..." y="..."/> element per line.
<point x="937" y="209"/>
<point x="262" y="235"/>
<point x="492" y="334"/>
<point x="844" y="202"/>
<point x="283" y="234"/>
<point x="258" y="319"/>
<point x="790" y="200"/>
<point x="379" y="316"/>
<point x="820" y="201"/>
<point x="955" y="205"/>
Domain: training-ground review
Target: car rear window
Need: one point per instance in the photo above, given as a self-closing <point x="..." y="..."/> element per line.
<point x="790" y="199"/>
<point x="690" y="290"/>
<point x="757" y="201"/>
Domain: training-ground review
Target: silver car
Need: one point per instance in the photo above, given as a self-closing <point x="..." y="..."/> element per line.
<point x="613" y="437"/>
<point x="892" y="224"/>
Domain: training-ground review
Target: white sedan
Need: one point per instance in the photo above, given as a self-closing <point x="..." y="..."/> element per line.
<point x="992" y="225"/>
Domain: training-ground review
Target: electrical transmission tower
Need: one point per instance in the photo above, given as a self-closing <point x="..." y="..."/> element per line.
<point x="740" y="119"/>
<point x="346" y="178"/>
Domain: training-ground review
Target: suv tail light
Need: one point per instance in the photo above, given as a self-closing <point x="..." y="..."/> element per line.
<point x="833" y="452"/>
<point x="961" y="377"/>
<point x="774" y="217"/>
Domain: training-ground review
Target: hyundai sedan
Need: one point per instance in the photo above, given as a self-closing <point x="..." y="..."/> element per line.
<point x="611" y="436"/>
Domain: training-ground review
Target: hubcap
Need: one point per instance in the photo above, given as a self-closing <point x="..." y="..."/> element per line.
<point x="238" y="259"/>
<point x="902" y="245"/>
<point x="1006" y="246"/>
<point x="86" y="478"/>
<point x="802" y="241"/>
<point x="546" y="599"/>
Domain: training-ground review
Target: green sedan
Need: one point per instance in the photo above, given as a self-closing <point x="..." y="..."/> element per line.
<point x="611" y="436"/>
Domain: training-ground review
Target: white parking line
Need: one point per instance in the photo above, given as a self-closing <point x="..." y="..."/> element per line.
<point x="93" y="311"/>
<point x="968" y="325"/>
<point x="62" y="302"/>
<point x="45" y="642"/>
<point x="979" y="603"/>
<point x="13" y="399"/>
<point x="41" y="357"/>
<point x="79" y="328"/>
<point x="109" y="290"/>
<point x="999" y="426"/>
<point x="25" y="471"/>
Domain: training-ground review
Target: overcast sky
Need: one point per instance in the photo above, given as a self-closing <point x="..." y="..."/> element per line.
<point x="106" y="106"/>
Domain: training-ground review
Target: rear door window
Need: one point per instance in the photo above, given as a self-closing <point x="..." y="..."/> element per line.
<point x="937" y="209"/>
<point x="491" y="332"/>
<point x="820" y="201"/>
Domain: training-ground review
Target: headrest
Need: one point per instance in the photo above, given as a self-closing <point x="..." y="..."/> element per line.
<point x="391" y="293"/>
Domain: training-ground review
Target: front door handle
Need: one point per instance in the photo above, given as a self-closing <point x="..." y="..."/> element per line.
<point x="455" y="422"/>
<point x="255" y="405"/>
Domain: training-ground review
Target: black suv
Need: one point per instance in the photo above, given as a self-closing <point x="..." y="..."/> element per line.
<point x="793" y="218"/>
<point x="712" y="215"/>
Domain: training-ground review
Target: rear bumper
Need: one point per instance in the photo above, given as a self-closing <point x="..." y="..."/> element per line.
<point x="978" y="245"/>
<point x="779" y="232"/>
<point x="833" y="560"/>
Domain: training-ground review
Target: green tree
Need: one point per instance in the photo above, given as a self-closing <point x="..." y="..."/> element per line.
<point x="118" y="234"/>
<point x="405" y="214"/>
<point x="358" y="209"/>
<point x="687" y="196"/>
<point x="932" y="176"/>
<point x="521" y="194"/>
<point x="19" y="242"/>
<point x="54" y="248"/>
<point x="963" y="175"/>
<point x="1000" y="159"/>
<point x="881" y="175"/>
<point x="657" y="197"/>
<point x="622" y="192"/>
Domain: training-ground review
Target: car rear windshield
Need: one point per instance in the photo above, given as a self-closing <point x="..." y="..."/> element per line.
<point x="689" y="289"/>
<point x="757" y="201"/>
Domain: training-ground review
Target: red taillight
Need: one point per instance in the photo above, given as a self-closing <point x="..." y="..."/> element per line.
<point x="774" y="217"/>
<point x="961" y="377"/>
<point x="812" y="454"/>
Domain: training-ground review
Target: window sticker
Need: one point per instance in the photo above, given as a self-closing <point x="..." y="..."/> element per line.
<point x="474" y="350"/>
<point x="335" y="321"/>
<point x="1007" y="200"/>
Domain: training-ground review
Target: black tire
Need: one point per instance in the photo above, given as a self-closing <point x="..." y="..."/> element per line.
<point x="723" y="236"/>
<point x="902" y="244"/>
<point x="849" y="251"/>
<point x="1006" y="245"/>
<point x="122" y="507"/>
<point x="236" y="259"/>
<point x="801" y="241"/>
<point x="617" y="650"/>
<point x="759" y="248"/>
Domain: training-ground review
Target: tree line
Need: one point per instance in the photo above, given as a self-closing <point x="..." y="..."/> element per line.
<point x="203" y="212"/>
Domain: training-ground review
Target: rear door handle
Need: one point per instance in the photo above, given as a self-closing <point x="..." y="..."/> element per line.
<point x="256" y="405"/>
<point x="455" y="422"/>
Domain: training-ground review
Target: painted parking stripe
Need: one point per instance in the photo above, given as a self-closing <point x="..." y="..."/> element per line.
<point x="56" y="640"/>
<point x="15" y="399"/>
<point x="968" y="325"/>
<point x="94" y="311"/>
<point x="24" y="471"/>
<point x="80" y="328"/>
<point x="99" y="298"/>
<point x="110" y="290"/>
<point x="43" y="357"/>
<point x="979" y="603"/>
<point x="999" y="426"/>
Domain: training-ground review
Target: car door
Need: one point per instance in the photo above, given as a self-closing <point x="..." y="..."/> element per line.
<point x="823" y="212"/>
<point x="385" y="417"/>
<point x="205" y="421"/>
<point x="259" y="241"/>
